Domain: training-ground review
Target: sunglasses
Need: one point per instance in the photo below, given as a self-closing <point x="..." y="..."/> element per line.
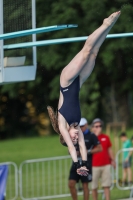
<point x="99" y="126"/>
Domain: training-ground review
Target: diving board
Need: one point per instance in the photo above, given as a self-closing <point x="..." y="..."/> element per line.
<point x="60" y="41"/>
<point x="36" y="31"/>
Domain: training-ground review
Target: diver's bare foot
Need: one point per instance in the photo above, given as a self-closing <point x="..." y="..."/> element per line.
<point x="110" y="21"/>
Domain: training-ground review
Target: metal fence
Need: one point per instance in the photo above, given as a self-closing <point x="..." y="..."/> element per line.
<point x="44" y="178"/>
<point x="47" y="178"/>
<point x="12" y="181"/>
<point x="119" y="171"/>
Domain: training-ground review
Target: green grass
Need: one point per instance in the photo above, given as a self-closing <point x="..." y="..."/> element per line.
<point x="21" y="149"/>
<point x="18" y="150"/>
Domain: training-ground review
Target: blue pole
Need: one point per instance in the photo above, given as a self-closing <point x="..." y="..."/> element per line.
<point x="60" y="41"/>
<point x="35" y="31"/>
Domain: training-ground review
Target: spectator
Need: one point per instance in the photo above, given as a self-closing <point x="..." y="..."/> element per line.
<point x="127" y="171"/>
<point x="90" y="141"/>
<point x="102" y="161"/>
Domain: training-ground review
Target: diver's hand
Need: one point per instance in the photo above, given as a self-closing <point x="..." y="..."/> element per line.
<point x="82" y="171"/>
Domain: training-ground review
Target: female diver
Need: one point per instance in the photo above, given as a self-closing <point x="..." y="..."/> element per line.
<point x="66" y="121"/>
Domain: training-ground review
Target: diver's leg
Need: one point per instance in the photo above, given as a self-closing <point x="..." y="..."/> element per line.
<point x="93" y="43"/>
<point x="88" y="67"/>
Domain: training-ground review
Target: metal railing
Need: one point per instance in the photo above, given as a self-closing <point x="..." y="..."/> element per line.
<point x="47" y="178"/>
<point x="119" y="171"/>
<point x="44" y="178"/>
<point x="12" y="181"/>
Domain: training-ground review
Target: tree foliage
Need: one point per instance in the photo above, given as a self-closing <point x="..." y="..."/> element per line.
<point x="108" y="91"/>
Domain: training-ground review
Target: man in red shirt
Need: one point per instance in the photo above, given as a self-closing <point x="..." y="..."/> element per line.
<point x="102" y="161"/>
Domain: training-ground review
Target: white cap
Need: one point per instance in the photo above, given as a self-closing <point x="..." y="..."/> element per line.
<point x="83" y="121"/>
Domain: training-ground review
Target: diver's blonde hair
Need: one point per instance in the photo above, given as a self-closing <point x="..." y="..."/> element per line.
<point x="54" y="121"/>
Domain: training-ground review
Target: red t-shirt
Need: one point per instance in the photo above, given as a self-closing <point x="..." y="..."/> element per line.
<point x="102" y="158"/>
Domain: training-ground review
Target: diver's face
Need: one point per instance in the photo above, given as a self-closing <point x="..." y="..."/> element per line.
<point x="73" y="131"/>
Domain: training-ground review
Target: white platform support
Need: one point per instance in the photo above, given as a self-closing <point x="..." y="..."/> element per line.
<point x="27" y="71"/>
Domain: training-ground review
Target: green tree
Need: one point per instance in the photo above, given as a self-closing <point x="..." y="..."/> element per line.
<point x="107" y="93"/>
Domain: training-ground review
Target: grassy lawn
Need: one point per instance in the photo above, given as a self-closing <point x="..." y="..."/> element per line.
<point x="21" y="149"/>
<point x="18" y="150"/>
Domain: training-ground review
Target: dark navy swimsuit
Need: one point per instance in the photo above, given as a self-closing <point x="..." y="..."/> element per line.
<point x="70" y="108"/>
